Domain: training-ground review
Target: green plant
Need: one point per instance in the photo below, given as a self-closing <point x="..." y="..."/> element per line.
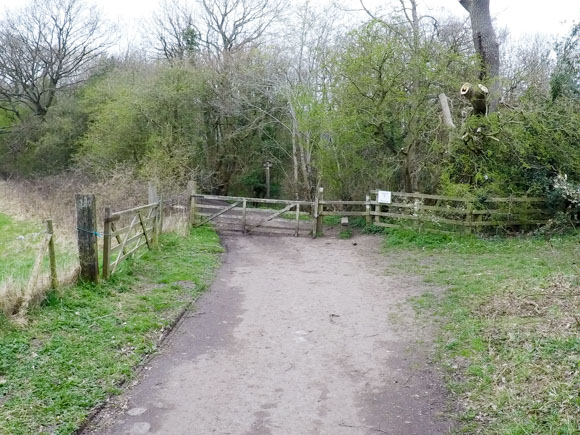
<point x="84" y="341"/>
<point x="509" y="339"/>
<point x="345" y="234"/>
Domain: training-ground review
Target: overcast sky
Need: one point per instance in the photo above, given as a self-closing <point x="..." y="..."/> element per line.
<point x="521" y="17"/>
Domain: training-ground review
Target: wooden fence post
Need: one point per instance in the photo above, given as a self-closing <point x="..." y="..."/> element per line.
<point x="192" y="189"/>
<point x="244" y="216"/>
<point x="86" y="207"/>
<point x="51" y="255"/>
<point x="469" y="218"/>
<point x="160" y="214"/>
<point x="377" y="210"/>
<point x="153" y="197"/>
<point x="152" y="192"/>
<point x="315" y="215"/>
<point x="297" y="220"/>
<point x="107" y="230"/>
<point x="368" y="210"/>
<point x="320" y="217"/>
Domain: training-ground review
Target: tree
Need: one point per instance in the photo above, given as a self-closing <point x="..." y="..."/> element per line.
<point x="486" y="45"/>
<point x="566" y="78"/>
<point x="47" y="46"/>
<point x="230" y="25"/>
<point x="175" y="31"/>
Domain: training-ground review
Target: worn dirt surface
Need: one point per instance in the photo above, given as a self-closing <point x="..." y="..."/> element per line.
<point x="296" y="336"/>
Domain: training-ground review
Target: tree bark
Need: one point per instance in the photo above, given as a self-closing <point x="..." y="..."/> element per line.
<point x="447" y="118"/>
<point x="486" y="45"/>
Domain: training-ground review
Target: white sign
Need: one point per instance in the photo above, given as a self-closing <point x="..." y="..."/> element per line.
<point x="384" y="197"/>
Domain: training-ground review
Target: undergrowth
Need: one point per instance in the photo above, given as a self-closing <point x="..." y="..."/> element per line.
<point x="84" y="341"/>
<point x="510" y="338"/>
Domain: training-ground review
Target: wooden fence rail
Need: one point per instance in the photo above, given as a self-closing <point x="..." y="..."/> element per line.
<point x="142" y="228"/>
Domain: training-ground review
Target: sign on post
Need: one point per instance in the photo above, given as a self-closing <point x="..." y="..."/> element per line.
<point x="384" y="196"/>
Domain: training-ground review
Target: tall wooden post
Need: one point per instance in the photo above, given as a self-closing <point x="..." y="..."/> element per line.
<point x="152" y="198"/>
<point x="244" y="211"/>
<point x="51" y="255"/>
<point x="152" y="192"/>
<point x="192" y="190"/>
<point x="107" y="230"/>
<point x="320" y="217"/>
<point x="160" y="214"/>
<point x="368" y="210"/>
<point x="86" y="206"/>
<point x="297" y="231"/>
<point x="267" y="166"/>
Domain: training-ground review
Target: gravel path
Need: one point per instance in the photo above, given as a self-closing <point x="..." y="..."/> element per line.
<point x="296" y="336"/>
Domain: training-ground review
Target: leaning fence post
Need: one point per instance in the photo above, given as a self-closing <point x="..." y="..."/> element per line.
<point x="107" y="243"/>
<point x="86" y="207"/>
<point x="368" y="210"/>
<point x="320" y="216"/>
<point x="192" y="189"/>
<point x="51" y="255"/>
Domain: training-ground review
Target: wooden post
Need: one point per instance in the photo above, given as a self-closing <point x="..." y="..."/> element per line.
<point x="320" y="217"/>
<point x="152" y="197"/>
<point x="160" y="214"/>
<point x="315" y="216"/>
<point x="244" y="217"/>
<point x="51" y="255"/>
<point x="107" y="230"/>
<point x="368" y="210"/>
<point x="377" y="210"/>
<point x="297" y="220"/>
<point x="469" y="218"/>
<point x="152" y="192"/>
<point x="86" y="206"/>
<point x="192" y="189"/>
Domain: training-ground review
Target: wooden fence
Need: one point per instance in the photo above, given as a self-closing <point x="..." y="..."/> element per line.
<point x="437" y="212"/>
<point x="47" y="244"/>
<point x="141" y="227"/>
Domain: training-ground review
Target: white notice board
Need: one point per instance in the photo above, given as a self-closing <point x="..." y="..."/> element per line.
<point x="384" y="196"/>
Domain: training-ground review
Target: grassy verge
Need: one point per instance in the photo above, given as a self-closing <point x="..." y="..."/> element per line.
<point x="19" y="242"/>
<point x="511" y="327"/>
<point x="84" y="341"/>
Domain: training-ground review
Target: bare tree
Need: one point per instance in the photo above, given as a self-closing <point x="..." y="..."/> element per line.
<point x="175" y="31"/>
<point x="233" y="24"/>
<point x="45" y="47"/>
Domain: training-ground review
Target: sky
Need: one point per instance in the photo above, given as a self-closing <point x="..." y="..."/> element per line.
<point x="521" y="17"/>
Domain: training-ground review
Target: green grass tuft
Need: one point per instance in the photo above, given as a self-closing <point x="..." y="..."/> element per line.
<point x="84" y="341"/>
<point x="510" y="334"/>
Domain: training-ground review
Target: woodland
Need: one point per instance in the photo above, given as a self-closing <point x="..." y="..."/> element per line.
<point x="399" y="100"/>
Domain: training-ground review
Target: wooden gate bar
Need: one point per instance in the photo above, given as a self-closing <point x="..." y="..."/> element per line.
<point x="219" y="213"/>
<point x="275" y="215"/>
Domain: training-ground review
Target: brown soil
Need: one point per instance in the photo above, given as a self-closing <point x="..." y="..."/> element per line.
<point x="296" y="336"/>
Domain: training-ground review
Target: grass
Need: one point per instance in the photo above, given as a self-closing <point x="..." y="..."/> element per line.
<point x="19" y="243"/>
<point x="83" y="342"/>
<point x="510" y="338"/>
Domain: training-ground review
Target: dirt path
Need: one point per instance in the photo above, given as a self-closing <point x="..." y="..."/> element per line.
<point x="296" y="336"/>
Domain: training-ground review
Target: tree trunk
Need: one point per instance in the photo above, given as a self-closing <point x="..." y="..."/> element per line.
<point x="486" y="46"/>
